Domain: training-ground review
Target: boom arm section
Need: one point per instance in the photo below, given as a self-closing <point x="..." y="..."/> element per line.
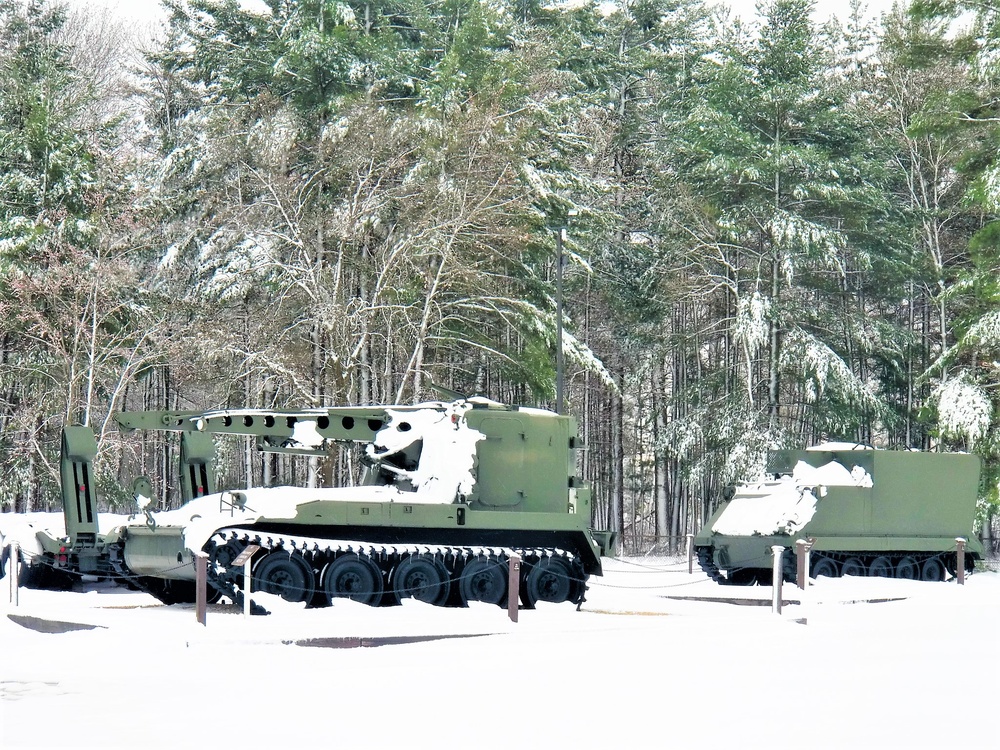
<point x="303" y="432"/>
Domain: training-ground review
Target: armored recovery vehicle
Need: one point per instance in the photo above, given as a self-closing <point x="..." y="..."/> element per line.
<point x="867" y="512"/>
<point x="447" y="492"/>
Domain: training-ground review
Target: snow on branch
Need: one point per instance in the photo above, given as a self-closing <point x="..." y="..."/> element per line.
<point x="793" y="233"/>
<point x="990" y="187"/>
<point x="985" y="332"/>
<point x="964" y="410"/>
<point x="823" y="368"/>
<point x="231" y="264"/>
<point x="682" y="438"/>
<point x="274" y="137"/>
<point x="747" y="458"/>
<point x="576" y="350"/>
<point x="751" y="327"/>
<point x="583" y="355"/>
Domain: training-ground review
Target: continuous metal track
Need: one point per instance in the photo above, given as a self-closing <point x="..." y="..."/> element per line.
<point x="927" y="566"/>
<point x="707" y="564"/>
<point x="318" y="571"/>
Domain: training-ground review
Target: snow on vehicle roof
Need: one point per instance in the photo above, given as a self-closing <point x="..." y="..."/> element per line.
<point x="840" y="446"/>
<point x="832" y="474"/>
<point x="483" y="401"/>
<point x="786" y="505"/>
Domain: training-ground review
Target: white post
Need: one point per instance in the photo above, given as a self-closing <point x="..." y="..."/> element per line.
<point x="14" y="573"/>
<point x="247" y="584"/>
<point x="244" y="559"/>
<point x="776" y="553"/>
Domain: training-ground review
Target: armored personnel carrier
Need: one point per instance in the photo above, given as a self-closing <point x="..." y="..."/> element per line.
<point x="447" y="493"/>
<point x="865" y="511"/>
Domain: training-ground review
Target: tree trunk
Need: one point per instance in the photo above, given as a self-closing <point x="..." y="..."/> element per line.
<point x="773" y="382"/>
<point x="617" y="506"/>
<point x="662" y="474"/>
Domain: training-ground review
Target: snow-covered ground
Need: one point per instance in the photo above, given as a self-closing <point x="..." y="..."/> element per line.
<point x="648" y="662"/>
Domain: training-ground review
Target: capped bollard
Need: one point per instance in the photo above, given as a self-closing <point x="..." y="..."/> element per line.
<point x="802" y="547"/>
<point x="14" y="573"/>
<point x="960" y="559"/>
<point x="776" y="576"/>
<point x="513" y="585"/>
<point x="201" y="587"/>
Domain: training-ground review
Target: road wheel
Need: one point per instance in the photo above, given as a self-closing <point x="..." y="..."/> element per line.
<point x="423" y="578"/>
<point x="907" y="568"/>
<point x="881" y="567"/>
<point x="483" y="579"/>
<point x="853" y="567"/>
<point x="824" y="566"/>
<point x="355" y="577"/>
<point x="932" y="570"/>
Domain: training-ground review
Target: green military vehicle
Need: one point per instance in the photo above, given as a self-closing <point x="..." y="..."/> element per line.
<point x="448" y="491"/>
<point x="865" y="511"/>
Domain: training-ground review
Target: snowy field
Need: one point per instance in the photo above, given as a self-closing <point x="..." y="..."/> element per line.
<point x="656" y="658"/>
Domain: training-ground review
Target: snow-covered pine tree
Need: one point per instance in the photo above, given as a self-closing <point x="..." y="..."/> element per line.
<point x="73" y="326"/>
<point x="779" y="154"/>
<point x="966" y="119"/>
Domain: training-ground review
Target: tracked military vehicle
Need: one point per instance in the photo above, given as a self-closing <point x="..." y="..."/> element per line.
<point x="447" y="493"/>
<point x="866" y="512"/>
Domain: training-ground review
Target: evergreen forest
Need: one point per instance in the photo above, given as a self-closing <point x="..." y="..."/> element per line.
<point x="749" y="234"/>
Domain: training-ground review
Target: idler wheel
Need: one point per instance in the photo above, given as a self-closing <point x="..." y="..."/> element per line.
<point x="287" y="575"/>
<point x="353" y="576"/>
<point x="951" y="563"/>
<point x="907" y="568"/>
<point x="881" y="567"/>
<point x="483" y="579"/>
<point x="423" y="578"/>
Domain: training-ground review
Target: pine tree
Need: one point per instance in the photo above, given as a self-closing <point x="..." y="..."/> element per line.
<point x="785" y="168"/>
<point x="355" y="193"/>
